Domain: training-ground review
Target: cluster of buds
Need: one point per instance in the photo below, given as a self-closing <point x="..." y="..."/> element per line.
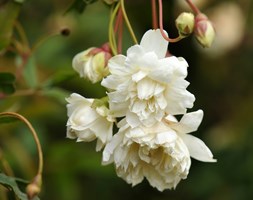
<point x="204" y="32"/>
<point x="92" y="63"/>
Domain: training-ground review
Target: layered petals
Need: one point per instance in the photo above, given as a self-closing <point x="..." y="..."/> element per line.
<point x="156" y="153"/>
<point x="87" y="123"/>
<point x="160" y="153"/>
<point x="146" y="83"/>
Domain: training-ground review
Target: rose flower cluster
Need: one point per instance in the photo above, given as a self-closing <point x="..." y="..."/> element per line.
<point x="136" y="124"/>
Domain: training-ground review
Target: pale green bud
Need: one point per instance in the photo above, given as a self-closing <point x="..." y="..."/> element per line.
<point x="204" y="31"/>
<point x="92" y="64"/>
<point x="101" y="107"/>
<point x="185" y="24"/>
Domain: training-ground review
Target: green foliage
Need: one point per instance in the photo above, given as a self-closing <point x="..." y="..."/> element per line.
<point x="30" y="73"/>
<point x="20" y="1"/>
<point x="7" y="83"/>
<point x="56" y="93"/>
<point x="59" y="77"/>
<point x="80" y="5"/>
<point x="8" y="14"/>
<point x="6" y="119"/>
<point x="10" y="183"/>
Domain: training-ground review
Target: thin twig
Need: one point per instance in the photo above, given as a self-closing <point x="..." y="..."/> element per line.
<point x="34" y="134"/>
<point x="193" y="7"/>
<point x="161" y="25"/>
<point x="111" y="33"/>
<point x="154" y="14"/>
<point x="127" y="22"/>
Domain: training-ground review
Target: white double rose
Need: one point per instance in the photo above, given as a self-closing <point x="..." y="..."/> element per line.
<point x="87" y="123"/>
<point x="145" y="85"/>
<point x="160" y="153"/>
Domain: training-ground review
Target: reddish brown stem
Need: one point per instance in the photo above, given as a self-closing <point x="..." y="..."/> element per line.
<point x="154" y="15"/>
<point x="161" y="25"/>
<point x="193" y="7"/>
<point x="118" y="20"/>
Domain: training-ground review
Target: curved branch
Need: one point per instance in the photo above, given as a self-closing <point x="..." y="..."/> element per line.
<point x="34" y="134"/>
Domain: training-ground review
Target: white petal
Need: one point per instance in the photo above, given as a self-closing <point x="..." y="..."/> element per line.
<point x="189" y="122"/>
<point x="171" y="118"/>
<point x="71" y="134"/>
<point x="112" y="82"/>
<point x="134" y="52"/>
<point x="110" y="147"/>
<point x="146" y="89"/>
<point x="197" y="148"/>
<point x="166" y="137"/>
<point x="152" y="40"/>
<point x="99" y="145"/>
<point x="76" y="98"/>
<point x="117" y="96"/>
<point x="138" y="106"/>
<point x="135" y="133"/>
<point x="118" y="109"/>
<point x="161" y="101"/>
<point x="102" y="129"/>
<point x="85" y="136"/>
<point x="132" y="119"/>
<point x="116" y="64"/>
<point x="138" y="76"/>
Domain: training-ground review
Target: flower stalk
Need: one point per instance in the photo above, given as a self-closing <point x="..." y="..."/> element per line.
<point x="34" y="187"/>
<point x="128" y="22"/>
<point x="193" y="7"/>
<point x="118" y="28"/>
<point x="111" y="33"/>
<point x="154" y="14"/>
<point x="161" y="26"/>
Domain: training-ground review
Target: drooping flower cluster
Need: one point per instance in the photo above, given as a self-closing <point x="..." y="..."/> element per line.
<point x="146" y="90"/>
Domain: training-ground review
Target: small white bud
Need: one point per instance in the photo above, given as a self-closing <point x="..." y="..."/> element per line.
<point x="92" y="64"/>
<point x="185" y="24"/>
<point x="204" y="31"/>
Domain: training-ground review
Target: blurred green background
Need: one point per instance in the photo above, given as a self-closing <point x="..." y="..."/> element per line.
<point x="221" y="79"/>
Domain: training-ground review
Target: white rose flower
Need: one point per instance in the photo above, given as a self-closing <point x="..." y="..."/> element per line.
<point x="87" y="123"/>
<point x="145" y="85"/>
<point x="160" y="153"/>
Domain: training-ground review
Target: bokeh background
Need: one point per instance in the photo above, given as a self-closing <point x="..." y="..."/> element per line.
<point x="221" y="79"/>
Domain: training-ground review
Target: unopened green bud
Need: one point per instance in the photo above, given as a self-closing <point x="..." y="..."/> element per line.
<point x="185" y="24"/>
<point x="204" y="31"/>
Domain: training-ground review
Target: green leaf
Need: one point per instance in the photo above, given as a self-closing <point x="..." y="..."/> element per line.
<point x="59" y="78"/>
<point x="57" y="94"/>
<point x="79" y="5"/>
<point x="7" y="119"/>
<point x="6" y="77"/>
<point x="7" y="83"/>
<point x="7" y="88"/>
<point x="30" y="73"/>
<point x="8" y="14"/>
<point x="10" y="183"/>
<point x="20" y="1"/>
